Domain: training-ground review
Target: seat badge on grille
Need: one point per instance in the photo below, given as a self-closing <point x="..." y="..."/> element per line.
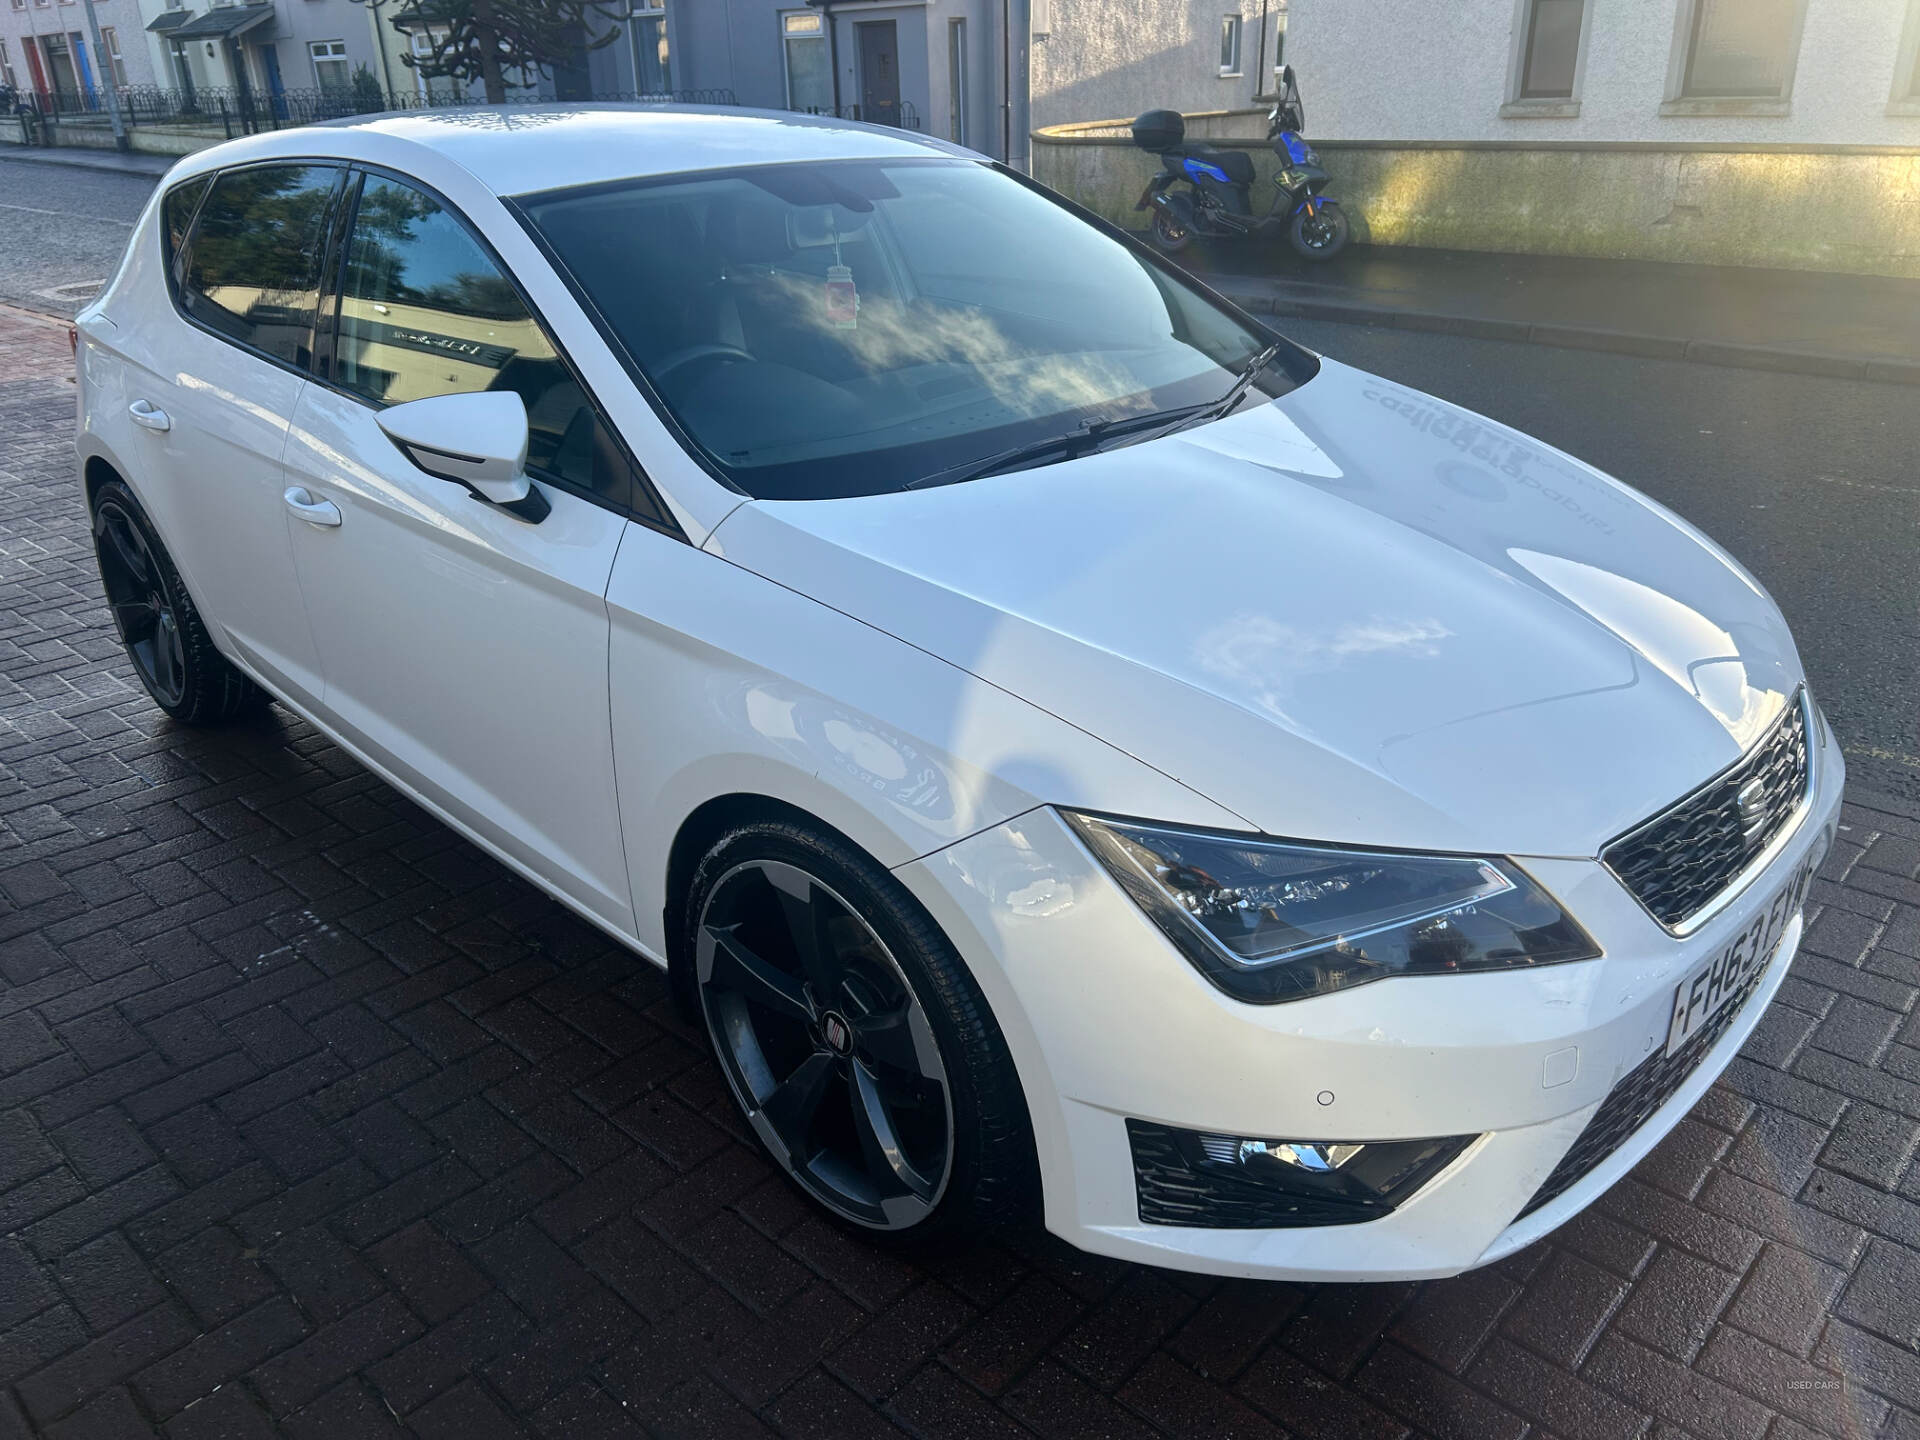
<point x="1752" y="800"/>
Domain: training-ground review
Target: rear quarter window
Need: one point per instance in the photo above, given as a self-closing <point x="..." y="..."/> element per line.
<point x="176" y="215"/>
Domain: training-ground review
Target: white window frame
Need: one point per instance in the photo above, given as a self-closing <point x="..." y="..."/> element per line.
<point x="787" y="38"/>
<point x="1679" y="103"/>
<point x="1904" y="98"/>
<point x="6" y="63"/>
<point x="1279" y="35"/>
<point x="335" y="52"/>
<point x="117" y="67"/>
<point x="646" y="10"/>
<point x="1519" y="107"/>
<point x="1233" y="26"/>
<point x="958" y="80"/>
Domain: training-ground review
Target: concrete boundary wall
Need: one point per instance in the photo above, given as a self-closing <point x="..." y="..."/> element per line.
<point x="1851" y="208"/>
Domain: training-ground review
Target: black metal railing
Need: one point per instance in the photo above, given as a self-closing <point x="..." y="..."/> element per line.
<point x="900" y="115"/>
<point x="227" y="112"/>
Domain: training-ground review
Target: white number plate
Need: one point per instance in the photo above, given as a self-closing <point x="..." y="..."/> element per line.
<point x="1724" y="979"/>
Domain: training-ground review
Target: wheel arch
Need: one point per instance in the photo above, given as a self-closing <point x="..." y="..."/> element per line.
<point x="95" y="471"/>
<point x="703" y="826"/>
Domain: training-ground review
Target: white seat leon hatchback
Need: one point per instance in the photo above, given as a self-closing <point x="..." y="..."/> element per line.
<point x="1078" y="753"/>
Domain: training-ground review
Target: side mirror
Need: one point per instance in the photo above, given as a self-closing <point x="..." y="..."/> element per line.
<point x="477" y="440"/>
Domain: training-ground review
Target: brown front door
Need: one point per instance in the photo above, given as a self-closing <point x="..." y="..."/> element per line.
<point x="879" y="71"/>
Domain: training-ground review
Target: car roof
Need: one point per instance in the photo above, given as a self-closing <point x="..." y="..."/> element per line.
<point x="515" y="149"/>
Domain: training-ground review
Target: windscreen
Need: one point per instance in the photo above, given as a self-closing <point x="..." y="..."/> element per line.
<point x="854" y="327"/>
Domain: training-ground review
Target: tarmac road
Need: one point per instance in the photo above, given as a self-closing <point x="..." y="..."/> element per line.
<point x="62" y="231"/>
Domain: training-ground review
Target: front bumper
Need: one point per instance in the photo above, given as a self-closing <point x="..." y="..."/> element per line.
<point x="1106" y="1021"/>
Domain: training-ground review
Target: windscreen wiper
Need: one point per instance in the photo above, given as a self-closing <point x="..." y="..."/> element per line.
<point x="1094" y="435"/>
<point x="1224" y="405"/>
<point x="1089" y="436"/>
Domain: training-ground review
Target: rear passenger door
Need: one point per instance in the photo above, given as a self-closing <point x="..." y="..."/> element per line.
<point x="213" y="398"/>
<point x="464" y="648"/>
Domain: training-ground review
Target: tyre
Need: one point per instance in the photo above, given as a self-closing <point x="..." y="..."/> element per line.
<point x="1321" y="236"/>
<point x="164" y="636"/>
<point x="859" y="1049"/>
<point x="1170" y="232"/>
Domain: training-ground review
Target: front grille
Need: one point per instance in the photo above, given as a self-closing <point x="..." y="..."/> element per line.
<point x="1633" y="1099"/>
<point x="1677" y="862"/>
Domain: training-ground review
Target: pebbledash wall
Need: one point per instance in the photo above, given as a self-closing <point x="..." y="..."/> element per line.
<point x="1419" y="113"/>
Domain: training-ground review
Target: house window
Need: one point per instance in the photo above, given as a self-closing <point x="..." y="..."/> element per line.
<point x="957" y="81"/>
<point x="6" y="65"/>
<point x="809" y="78"/>
<point x="652" y="65"/>
<point x="118" y="66"/>
<point x="1741" y="49"/>
<point x="330" y="68"/>
<point x="1279" y="35"/>
<point x="1905" y="97"/>
<point x="1553" y="48"/>
<point x="1230" y="45"/>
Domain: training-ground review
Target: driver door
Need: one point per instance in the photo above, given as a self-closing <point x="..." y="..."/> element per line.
<point x="463" y="649"/>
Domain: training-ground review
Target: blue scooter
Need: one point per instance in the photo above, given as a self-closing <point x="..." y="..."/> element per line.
<point x="1218" y="201"/>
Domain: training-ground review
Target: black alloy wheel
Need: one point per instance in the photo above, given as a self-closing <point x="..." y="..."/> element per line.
<point x="825" y="1043"/>
<point x="142" y="610"/>
<point x="164" y="636"/>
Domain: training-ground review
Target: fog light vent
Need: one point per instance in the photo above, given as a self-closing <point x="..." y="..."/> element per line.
<point x="1231" y="1182"/>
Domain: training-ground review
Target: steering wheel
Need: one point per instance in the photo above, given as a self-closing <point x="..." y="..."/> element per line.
<point x="690" y="354"/>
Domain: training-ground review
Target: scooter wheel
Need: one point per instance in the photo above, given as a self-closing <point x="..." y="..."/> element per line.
<point x="1169" y="233"/>
<point x="1319" y="236"/>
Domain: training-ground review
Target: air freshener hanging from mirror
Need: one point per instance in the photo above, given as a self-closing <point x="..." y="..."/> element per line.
<point x="843" y="301"/>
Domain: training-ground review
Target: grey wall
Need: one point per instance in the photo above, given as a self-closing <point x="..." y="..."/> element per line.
<point x="1108" y="59"/>
<point x="1410" y="69"/>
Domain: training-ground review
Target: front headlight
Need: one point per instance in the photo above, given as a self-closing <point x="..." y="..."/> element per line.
<point x="1266" y="920"/>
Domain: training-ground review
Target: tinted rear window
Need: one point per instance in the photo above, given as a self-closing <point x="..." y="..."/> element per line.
<point x="253" y="269"/>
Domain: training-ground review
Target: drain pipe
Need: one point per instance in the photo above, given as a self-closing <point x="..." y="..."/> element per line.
<point x="1017" y="112"/>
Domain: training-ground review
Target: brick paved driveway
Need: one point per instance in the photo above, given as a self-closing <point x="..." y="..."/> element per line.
<point x="315" y="1121"/>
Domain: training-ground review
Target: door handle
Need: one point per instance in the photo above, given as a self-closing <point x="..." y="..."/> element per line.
<point x="150" y="415"/>
<point x="315" y="512"/>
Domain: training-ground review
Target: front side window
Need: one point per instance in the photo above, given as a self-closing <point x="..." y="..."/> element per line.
<point x="855" y="327"/>
<point x="253" y="265"/>
<point x="330" y="69"/>
<point x="424" y="310"/>
<point x="1741" y="49"/>
<point x="1230" y="45"/>
<point x="809" y="76"/>
<point x="1553" y="49"/>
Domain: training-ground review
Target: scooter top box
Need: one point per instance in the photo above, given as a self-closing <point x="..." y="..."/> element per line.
<point x="1159" y="130"/>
